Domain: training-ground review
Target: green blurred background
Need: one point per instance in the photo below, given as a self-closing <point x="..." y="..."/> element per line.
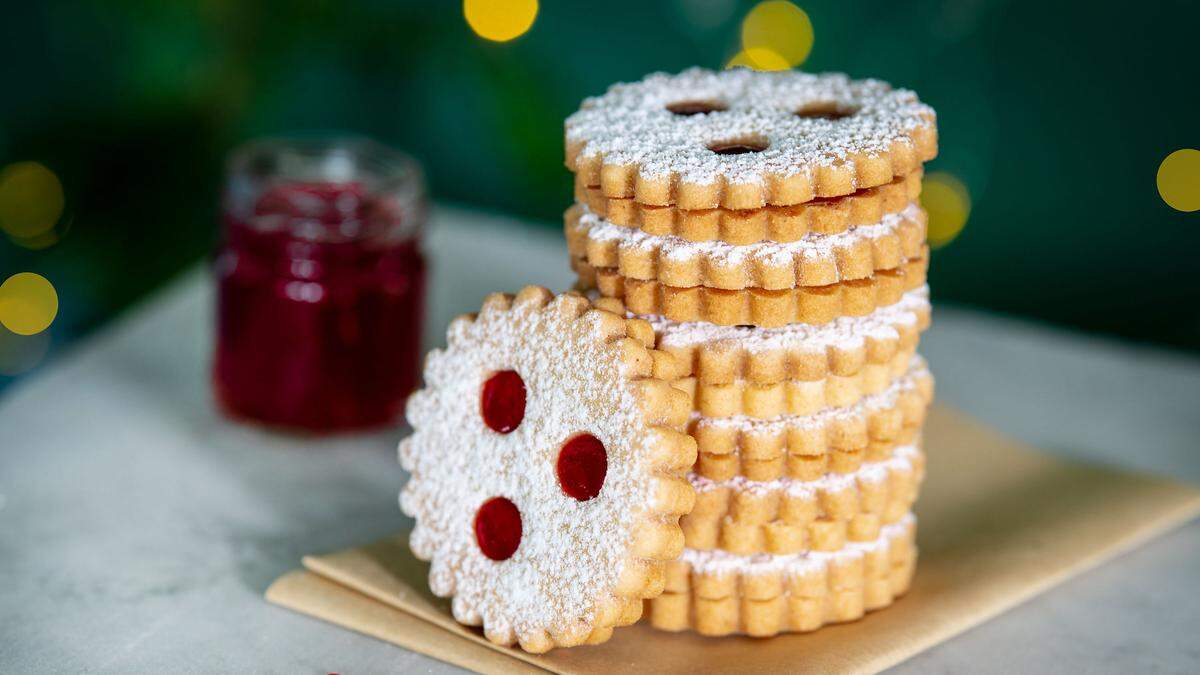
<point x="1055" y="116"/>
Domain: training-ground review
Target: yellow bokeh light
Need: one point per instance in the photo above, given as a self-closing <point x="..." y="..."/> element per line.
<point x="949" y="205"/>
<point x="780" y="28"/>
<point x="759" y="59"/>
<point x="31" y="200"/>
<point x="500" y="20"/>
<point x="41" y="241"/>
<point x="28" y="303"/>
<point x="1179" y="180"/>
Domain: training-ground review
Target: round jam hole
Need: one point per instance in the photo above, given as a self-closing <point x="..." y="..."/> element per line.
<point x="825" y="110"/>
<point x="503" y="401"/>
<point x="688" y="108"/>
<point x="738" y="147"/>
<point x="498" y="528"/>
<point x="582" y="465"/>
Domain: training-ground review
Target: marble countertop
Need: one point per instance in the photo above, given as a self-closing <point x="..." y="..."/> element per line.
<point x="138" y="529"/>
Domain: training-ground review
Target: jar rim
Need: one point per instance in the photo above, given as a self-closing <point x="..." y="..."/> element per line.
<point x="379" y="173"/>
<point x="333" y="159"/>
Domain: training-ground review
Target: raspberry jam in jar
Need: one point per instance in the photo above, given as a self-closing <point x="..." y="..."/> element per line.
<point x="320" y="284"/>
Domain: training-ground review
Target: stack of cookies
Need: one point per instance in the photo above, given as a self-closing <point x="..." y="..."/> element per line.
<point x="723" y="428"/>
<point x="766" y="226"/>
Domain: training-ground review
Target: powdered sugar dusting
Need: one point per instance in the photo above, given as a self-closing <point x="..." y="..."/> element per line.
<point x="902" y="459"/>
<point x="571" y="552"/>
<point x="630" y="124"/>
<point x="812" y="246"/>
<point x="844" y="332"/>
<point x="722" y="563"/>
<point x="865" y="406"/>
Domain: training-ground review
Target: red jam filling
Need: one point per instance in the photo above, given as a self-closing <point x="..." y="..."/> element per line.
<point x="582" y="465"/>
<point x="503" y="401"/>
<point x="498" y="528"/>
<point x="736" y="148"/>
<point x="318" y="320"/>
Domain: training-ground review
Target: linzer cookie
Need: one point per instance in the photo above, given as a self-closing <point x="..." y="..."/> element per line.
<point x="784" y="224"/>
<point x="793" y="397"/>
<point x="547" y="465"/>
<point x="756" y="306"/>
<point x="741" y="139"/>
<point x="806" y="447"/>
<point x="767" y="356"/>
<point x="721" y="593"/>
<point x="813" y="260"/>
<point x="788" y="516"/>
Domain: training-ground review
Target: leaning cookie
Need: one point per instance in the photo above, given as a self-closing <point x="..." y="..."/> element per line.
<point x="547" y="469"/>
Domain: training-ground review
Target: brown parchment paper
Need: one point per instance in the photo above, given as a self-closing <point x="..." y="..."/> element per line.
<point x="998" y="522"/>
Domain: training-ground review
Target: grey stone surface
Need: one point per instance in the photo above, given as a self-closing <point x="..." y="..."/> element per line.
<point x="138" y="529"/>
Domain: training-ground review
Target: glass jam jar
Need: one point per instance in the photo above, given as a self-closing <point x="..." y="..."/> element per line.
<point x="320" y="284"/>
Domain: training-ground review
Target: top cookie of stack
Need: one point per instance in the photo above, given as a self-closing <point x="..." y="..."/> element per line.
<point x="743" y="197"/>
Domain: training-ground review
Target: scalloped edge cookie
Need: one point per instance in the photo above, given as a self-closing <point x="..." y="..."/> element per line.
<point x="793" y="397"/>
<point x="756" y="306"/>
<point x="716" y="593"/>
<point x="759" y="138"/>
<point x="832" y="215"/>
<point x="788" y="516"/>
<point x="805" y="447"/>
<point x="814" y="260"/>
<point x="756" y="356"/>
<point x="585" y="370"/>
